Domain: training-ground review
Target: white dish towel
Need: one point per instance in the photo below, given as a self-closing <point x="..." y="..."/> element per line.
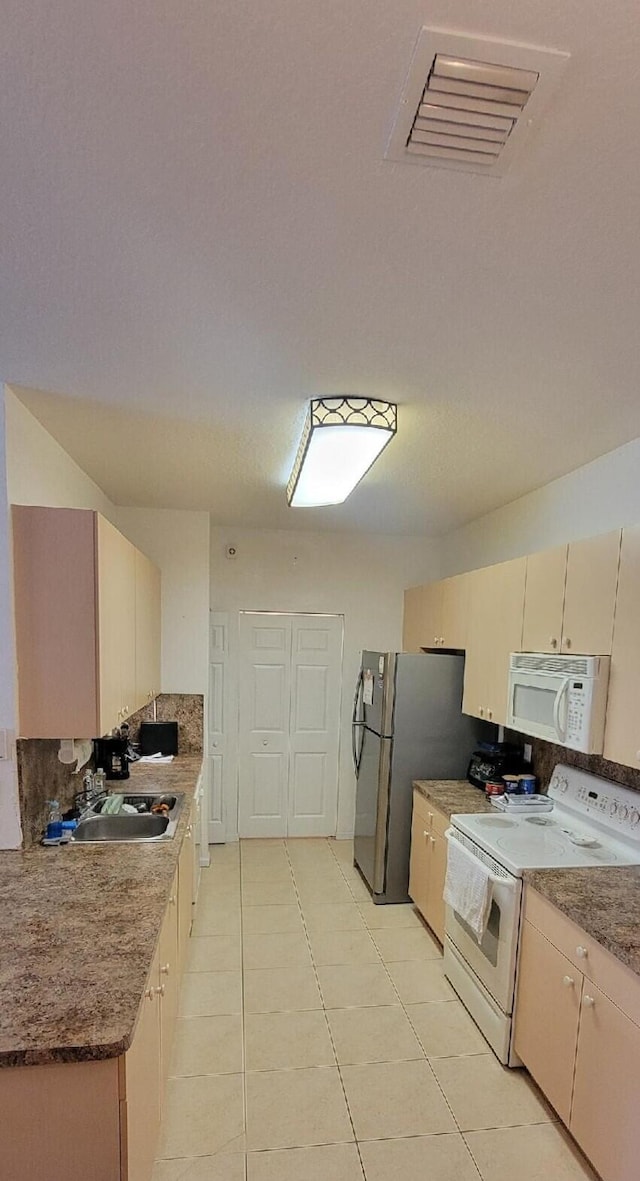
<point x="467" y="887"/>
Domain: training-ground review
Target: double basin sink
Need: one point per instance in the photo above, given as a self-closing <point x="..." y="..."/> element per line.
<point x="144" y="825"/>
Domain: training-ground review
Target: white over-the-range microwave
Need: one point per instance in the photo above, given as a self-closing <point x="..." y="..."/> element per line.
<point x="560" y="698"/>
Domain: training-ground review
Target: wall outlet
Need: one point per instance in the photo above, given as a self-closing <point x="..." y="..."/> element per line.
<point x="527" y="752"/>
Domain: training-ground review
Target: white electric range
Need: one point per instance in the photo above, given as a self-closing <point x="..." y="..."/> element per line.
<point x="592" y="822"/>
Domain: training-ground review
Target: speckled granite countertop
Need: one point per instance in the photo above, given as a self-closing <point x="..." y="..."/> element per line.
<point x="78" y="931"/>
<point x="453" y="795"/>
<point x="604" y="901"/>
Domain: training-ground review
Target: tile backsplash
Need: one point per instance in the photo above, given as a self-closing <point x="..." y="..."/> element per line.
<point x="41" y="777"/>
<point x="545" y="755"/>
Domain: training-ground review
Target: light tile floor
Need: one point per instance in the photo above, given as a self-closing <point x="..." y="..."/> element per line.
<point x="318" y="1040"/>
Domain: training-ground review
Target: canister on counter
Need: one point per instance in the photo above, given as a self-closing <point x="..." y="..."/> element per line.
<point x="494" y="788"/>
<point x="528" y="784"/>
<point x="511" y="783"/>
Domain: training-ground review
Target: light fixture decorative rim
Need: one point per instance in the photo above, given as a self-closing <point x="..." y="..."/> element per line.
<point x="345" y="410"/>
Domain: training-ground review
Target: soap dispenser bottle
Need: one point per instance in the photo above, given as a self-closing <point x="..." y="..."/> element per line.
<point x="54" y="823"/>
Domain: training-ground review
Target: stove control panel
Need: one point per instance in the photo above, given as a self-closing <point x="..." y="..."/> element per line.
<point x="611" y="805"/>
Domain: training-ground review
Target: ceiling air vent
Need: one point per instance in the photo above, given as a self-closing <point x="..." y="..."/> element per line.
<point x="468" y="102"/>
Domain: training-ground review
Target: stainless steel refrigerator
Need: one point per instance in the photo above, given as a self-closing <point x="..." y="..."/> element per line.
<point x="407" y="724"/>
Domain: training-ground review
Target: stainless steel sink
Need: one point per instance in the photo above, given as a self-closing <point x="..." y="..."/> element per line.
<point x="124" y="826"/>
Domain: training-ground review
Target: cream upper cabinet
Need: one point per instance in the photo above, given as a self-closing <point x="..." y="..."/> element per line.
<point x="116" y="624"/>
<point x="590" y="594"/>
<point x="147" y="623"/>
<point x="495" y="630"/>
<point x="622" y="728"/>
<point x="422" y="623"/>
<point x="455" y="611"/>
<point x="76" y="630"/>
<point x="570" y="597"/>
<point x="544" y="600"/>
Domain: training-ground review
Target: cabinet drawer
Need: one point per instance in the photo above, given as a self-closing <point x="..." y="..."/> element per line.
<point x="615" y="980"/>
<point x="422" y="808"/>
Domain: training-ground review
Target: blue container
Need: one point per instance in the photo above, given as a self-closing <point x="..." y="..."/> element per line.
<point x="528" y="784"/>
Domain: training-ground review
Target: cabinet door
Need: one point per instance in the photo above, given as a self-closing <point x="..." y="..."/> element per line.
<point x="622" y="729"/>
<point x="116" y="580"/>
<point x="422" y="627"/>
<point x="455" y="611"/>
<point x="419" y="862"/>
<point x="607" y="1085"/>
<point x="185" y="895"/>
<point x="474" y="697"/>
<point x="142" y="1100"/>
<point x="504" y="613"/>
<point x="590" y="594"/>
<point x="169" y="975"/>
<point x="434" y="913"/>
<point x="544" y="600"/>
<point x="546" y="1017"/>
<point x="147" y="616"/>
<point x="55" y="614"/>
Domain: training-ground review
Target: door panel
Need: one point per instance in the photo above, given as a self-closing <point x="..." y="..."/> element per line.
<point x="316" y="663"/>
<point x="590" y="597"/>
<point x="622" y="731"/>
<point x="265" y="654"/>
<point x="544" y="600"/>
<point x="290" y="685"/>
<point x="222" y="714"/>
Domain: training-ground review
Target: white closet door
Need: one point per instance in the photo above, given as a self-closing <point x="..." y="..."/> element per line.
<point x="264" y="692"/>
<point x="316" y="662"/>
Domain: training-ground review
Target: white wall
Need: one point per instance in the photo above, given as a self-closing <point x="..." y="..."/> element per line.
<point x="10" y="832"/>
<point x="39" y="470"/>
<point x="178" y="542"/>
<point x="359" y="576"/>
<point x="595" y="498"/>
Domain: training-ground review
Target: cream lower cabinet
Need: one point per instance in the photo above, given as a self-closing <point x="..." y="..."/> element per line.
<point x="428" y="864"/>
<point x="100" y="1120"/>
<point x="581" y="1039"/>
<point x="87" y="623"/>
<point x="185" y="895"/>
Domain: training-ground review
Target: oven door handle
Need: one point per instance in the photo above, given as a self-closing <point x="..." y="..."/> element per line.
<point x="493" y="877"/>
<point x="560" y="695"/>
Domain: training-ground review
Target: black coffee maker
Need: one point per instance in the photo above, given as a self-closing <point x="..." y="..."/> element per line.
<point x="111" y="755"/>
<point x="491" y="760"/>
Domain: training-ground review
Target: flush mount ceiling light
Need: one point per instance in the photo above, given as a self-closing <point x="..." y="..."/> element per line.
<point x="341" y="439"/>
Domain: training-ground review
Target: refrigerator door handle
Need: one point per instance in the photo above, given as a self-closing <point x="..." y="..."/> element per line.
<point x="357" y="724"/>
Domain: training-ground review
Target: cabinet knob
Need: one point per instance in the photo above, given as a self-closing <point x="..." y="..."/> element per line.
<point x="441" y="641"/>
<point x="567" y="643"/>
<point x="582" y="952"/>
<point x="489" y="713"/>
<point x="148" y="992"/>
<point x="160" y="990"/>
<point x="172" y="900"/>
<point x="568" y="981"/>
<point x="433" y="840"/>
<point x="553" y="643"/>
<point x="425" y="834"/>
<point x="589" y="1001"/>
<point x="189" y="830"/>
<point x="435" y="639"/>
<point x="481" y="712"/>
<point x="164" y="970"/>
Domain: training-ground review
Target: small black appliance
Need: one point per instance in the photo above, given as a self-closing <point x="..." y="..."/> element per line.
<point x="491" y="760"/>
<point x="158" y="738"/>
<point x="111" y="755"/>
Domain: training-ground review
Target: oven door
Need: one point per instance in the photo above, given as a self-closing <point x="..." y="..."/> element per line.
<point x="493" y="960"/>
<point x="538" y="704"/>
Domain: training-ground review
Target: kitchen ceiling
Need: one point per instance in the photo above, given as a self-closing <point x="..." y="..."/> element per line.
<point x="200" y="232"/>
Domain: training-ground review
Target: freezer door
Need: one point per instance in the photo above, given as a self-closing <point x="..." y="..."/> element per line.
<point x="378" y="684"/>
<point x="372" y="803"/>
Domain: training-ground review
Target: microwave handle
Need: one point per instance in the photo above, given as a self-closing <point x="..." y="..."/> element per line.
<point x="560" y="695"/>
